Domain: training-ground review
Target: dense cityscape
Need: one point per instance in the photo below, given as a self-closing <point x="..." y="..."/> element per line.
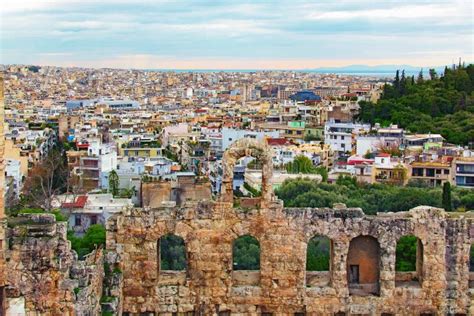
<point x="244" y="158"/>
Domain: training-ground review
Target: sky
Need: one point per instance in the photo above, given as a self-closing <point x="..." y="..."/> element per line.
<point x="219" y="34"/>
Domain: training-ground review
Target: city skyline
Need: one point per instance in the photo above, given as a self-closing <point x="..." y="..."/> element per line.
<point x="235" y="35"/>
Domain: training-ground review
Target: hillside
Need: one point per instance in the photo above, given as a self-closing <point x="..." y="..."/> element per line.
<point x="432" y="104"/>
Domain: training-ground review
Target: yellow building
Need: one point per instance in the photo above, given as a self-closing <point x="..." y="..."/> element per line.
<point x="140" y="152"/>
<point x="435" y="173"/>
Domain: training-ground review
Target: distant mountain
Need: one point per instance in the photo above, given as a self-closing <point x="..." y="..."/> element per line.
<point x="378" y="68"/>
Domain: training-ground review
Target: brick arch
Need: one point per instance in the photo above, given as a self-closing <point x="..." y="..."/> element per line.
<point x="242" y="148"/>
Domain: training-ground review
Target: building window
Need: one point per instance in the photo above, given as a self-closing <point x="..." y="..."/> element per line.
<point x="430" y="172"/>
<point x="172" y="253"/>
<point x="446" y="171"/>
<point x="93" y="219"/>
<point x="77" y="220"/>
<point x="363" y="266"/>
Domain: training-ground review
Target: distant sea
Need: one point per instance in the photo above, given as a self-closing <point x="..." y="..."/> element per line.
<point x="365" y="73"/>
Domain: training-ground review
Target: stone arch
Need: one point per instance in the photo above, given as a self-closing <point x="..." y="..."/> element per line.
<point x="172" y="253"/>
<point x="409" y="261"/>
<point x="247" y="147"/>
<point x="319" y="256"/>
<point x="363" y="266"/>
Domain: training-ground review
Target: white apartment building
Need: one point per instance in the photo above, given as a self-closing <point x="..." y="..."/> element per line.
<point x="341" y="136"/>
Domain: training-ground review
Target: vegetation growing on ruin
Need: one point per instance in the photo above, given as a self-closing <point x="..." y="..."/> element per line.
<point x="92" y="239"/>
<point x="444" y="104"/>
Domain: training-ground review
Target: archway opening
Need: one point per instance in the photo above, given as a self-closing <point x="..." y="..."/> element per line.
<point x="318" y="261"/>
<point x="250" y="149"/>
<point x="172" y="253"/>
<point x="363" y="266"/>
<point x="246" y="261"/>
<point x="409" y="261"/>
<point x="247" y="182"/>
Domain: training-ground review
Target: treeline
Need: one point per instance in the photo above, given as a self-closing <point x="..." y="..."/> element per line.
<point x="443" y="104"/>
<point x="372" y="198"/>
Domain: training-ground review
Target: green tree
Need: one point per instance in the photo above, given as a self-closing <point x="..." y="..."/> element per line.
<point x="93" y="238"/>
<point x="246" y="253"/>
<point x="406" y="253"/>
<point x="318" y="254"/>
<point x="113" y="183"/>
<point x="172" y="253"/>
<point x="447" y="201"/>
<point x="420" y="77"/>
<point x="301" y="164"/>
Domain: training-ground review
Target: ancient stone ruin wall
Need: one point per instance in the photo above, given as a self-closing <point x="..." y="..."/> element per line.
<point x="209" y="285"/>
<point x="282" y="286"/>
<point x="89" y="275"/>
<point x="44" y="275"/>
<point x="38" y="263"/>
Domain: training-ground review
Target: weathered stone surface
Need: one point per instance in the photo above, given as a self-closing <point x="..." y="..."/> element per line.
<point x="210" y="286"/>
<point x="43" y="273"/>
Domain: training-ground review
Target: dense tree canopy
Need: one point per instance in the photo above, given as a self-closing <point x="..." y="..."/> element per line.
<point x="172" y="253"/>
<point x="444" y="104"/>
<point x="371" y="198"/>
<point x="318" y="254"/>
<point x="246" y="253"/>
<point x="406" y="253"/>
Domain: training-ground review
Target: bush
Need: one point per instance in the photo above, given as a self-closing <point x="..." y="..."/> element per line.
<point x="93" y="238"/>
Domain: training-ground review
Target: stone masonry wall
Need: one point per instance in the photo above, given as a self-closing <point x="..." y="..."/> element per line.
<point x="209" y="286"/>
<point x="44" y="276"/>
<point x="38" y="262"/>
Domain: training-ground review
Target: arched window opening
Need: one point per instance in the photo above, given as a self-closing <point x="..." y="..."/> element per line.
<point x="318" y="261"/>
<point x="172" y="253"/>
<point x="247" y="182"/>
<point x="246" y="261"/>
<point x="246" y="253"/>
<point x="409" y="261"/>
<point x="363" y="266"/>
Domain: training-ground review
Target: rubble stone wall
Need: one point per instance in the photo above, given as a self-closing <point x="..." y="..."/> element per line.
<point x="89" y="275"/>
<point x="209" y="286"/>
<point x="44" y="275"/>
<point x="39" y="259"/>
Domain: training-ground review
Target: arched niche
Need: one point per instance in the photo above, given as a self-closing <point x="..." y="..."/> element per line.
<point x="363" y="266"/>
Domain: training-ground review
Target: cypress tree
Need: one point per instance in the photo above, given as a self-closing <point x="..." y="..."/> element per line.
<point x="420" y="77"/>
<point x="403" y="83"/>
<point x="446" y="202"/>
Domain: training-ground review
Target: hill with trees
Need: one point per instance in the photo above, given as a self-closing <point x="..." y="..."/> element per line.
<point x="443" y="104"/>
